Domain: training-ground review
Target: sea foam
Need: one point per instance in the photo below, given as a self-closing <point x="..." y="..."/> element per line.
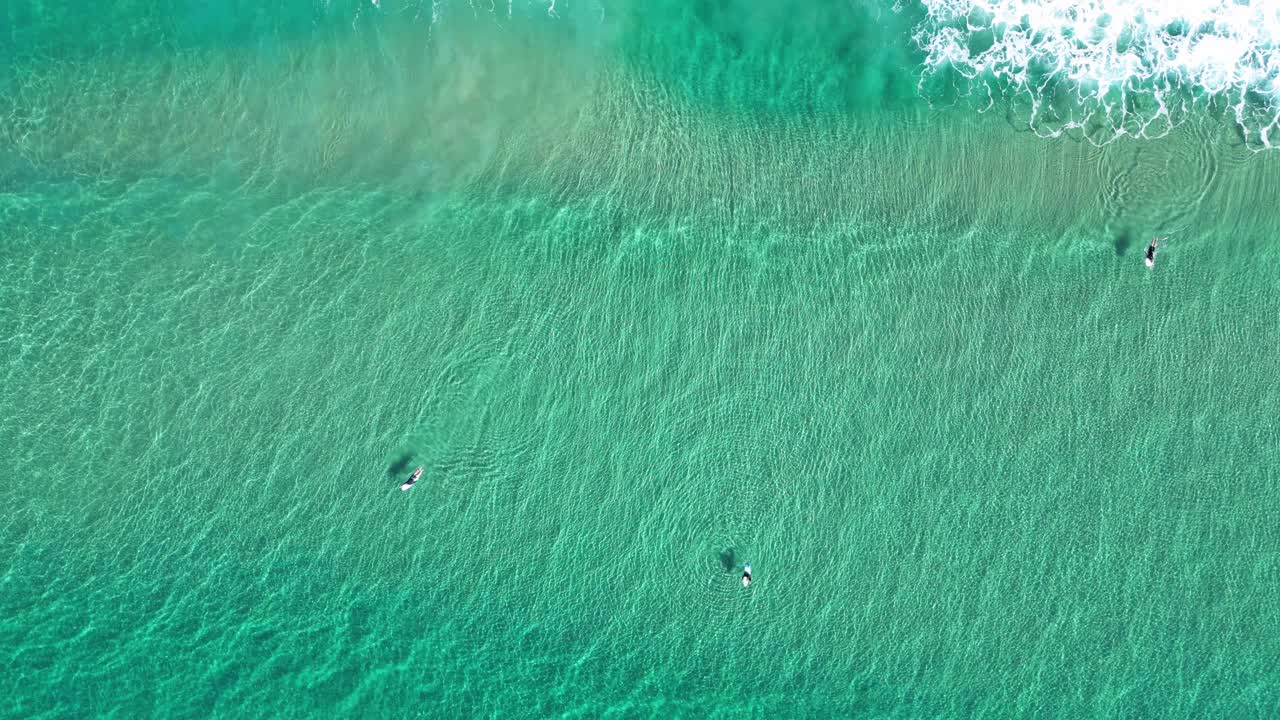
<point x="1111" y="68"/>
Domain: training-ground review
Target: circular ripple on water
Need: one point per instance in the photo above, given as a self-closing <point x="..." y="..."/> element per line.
<point x="711" y="536"/>
<point x="1154" y="188"/>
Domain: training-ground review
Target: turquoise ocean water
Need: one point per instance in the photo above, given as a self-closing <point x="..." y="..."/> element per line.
<point x="651" y="289"/>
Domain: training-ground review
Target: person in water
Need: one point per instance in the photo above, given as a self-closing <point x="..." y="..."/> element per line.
<point x="746" y="575"/>
<point x="1151" y="252"/>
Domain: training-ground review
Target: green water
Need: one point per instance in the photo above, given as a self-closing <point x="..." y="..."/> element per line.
<point x="651" y="290"/>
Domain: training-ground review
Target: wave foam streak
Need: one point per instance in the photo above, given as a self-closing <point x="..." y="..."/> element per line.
<point x="1111" y="67"/>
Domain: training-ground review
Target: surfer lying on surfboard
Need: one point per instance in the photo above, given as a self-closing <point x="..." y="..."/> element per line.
<point x="413" y="479"/>
<point x="1151" y="253"/>
<point x="746" y="575"/>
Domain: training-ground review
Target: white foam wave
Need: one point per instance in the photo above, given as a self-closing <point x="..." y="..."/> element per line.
<point x="1112" y="67"/>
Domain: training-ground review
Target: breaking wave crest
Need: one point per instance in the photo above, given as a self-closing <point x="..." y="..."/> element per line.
<point x="1110" y="68"/>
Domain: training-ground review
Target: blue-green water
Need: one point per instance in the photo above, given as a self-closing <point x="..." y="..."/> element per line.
<point x="651" y="290"/>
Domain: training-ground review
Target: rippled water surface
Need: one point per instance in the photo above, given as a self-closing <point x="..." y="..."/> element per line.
<point x="651" y="290"/>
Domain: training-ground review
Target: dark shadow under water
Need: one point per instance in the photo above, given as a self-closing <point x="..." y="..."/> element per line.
<point x="1123" y="241"/>
<point x="728" y="559"/>
<point x="401" y="465"/>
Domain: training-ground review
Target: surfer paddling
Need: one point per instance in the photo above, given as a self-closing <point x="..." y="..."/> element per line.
<point x="412" y="479"/>
<point x="1151" y="253"/>
<point x="746" y="575"/>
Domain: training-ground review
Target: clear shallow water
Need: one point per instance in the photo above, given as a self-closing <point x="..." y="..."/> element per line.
<point x="648" y="295"/>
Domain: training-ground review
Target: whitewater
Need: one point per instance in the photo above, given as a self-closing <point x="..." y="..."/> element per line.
<point x="1110" y="68"/>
